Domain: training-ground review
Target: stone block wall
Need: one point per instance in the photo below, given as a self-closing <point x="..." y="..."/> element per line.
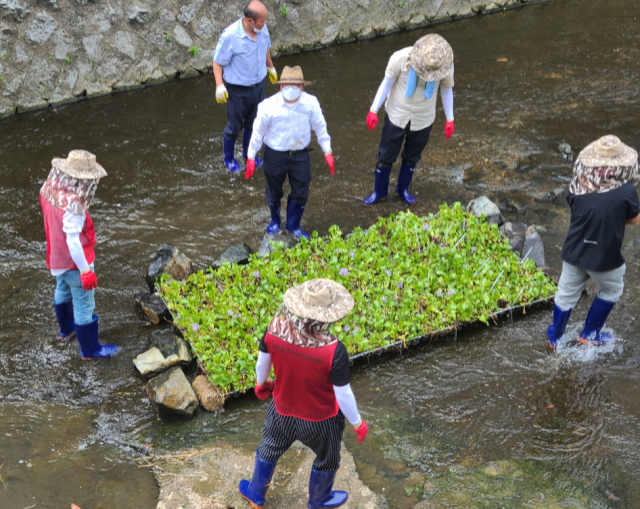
<point x="59" y="51"/>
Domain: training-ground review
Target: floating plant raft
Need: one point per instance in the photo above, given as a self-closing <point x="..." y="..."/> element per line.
<point x="410" y="277"/>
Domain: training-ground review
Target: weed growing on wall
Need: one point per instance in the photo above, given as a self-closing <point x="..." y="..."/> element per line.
<point x="409" y="276"/>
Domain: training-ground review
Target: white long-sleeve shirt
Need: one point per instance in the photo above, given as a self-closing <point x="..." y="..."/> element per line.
<point x="287" y="126"/>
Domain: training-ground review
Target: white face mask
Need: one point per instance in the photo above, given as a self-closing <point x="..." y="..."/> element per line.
<point x="257" y="30"/>
<point x="291" y="93"/>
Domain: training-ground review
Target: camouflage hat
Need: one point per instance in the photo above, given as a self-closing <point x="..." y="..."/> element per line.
<point x="431" y="57"/>
<point x="606" y="152"/>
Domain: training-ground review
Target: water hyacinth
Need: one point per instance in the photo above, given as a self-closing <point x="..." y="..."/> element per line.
<point x="224" y="313"/>
<point x="451" y="292"/>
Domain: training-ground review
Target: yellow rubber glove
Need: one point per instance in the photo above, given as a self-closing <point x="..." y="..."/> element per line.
<point x="221" y="94"/>
<point x="273" y="74"/>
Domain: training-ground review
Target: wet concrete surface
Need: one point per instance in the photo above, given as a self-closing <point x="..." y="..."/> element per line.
<point x="526" y="80"/>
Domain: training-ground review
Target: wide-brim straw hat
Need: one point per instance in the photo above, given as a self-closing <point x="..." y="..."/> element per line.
<point x="431" y="57"/>
<point x="319" y="299"/>
<point x="292" y="76"/>
<point x="607" y="151"/>
<point x="80" y="164"/>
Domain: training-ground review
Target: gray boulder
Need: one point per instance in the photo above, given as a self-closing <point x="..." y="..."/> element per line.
<point x="210" y="398"/>
<point x="269" y="242"/>
<point x="167" y="350"/>
<point x="14" y="10"/>
<point x="172" y="395"/>
<point x="516" y="234"/>
<point x="41" y="28"/>
<point x="138" y="15"/>
<point x="238" y="253"/>
<point x="168" y="260"/>
<point x="534" y="248"/>
<point x="483" y="205"/>
<point x="152" y="305"/>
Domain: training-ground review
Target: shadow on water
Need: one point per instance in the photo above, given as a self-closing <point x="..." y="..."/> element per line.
<point x="493" y="419"/>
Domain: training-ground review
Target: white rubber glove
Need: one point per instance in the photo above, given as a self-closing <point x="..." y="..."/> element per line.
<point x="221" y="94"/>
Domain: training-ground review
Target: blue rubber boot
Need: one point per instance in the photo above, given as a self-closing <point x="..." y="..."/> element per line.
<point x="380" y="188"/>
<point x="254" y="492"/>
<point x="246" y="138"/>
<point x="90" y="348"/>
<point x="559" y="325"/>
<point x="320" y="494"/>
<point x="64" y="315"/>
<point x="274" y="225"/>
<point x="596" y="317"/>
<point x="404" y="181"/>
<point x="294" y="216"/>
<point x="229" y="147"/>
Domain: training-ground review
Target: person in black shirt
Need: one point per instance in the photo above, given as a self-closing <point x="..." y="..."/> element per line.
<point x="603" y="199"/>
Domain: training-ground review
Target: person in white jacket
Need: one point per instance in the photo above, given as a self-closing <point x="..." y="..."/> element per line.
<point x="311" y="395"/>
<point x="65" y="198"/>
<point x="410" y="88"/>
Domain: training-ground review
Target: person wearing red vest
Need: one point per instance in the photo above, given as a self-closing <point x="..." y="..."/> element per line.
<point x="312" y="394"/>
<point x="65" y="198"/>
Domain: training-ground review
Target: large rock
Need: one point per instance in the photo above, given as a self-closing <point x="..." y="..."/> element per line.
<point x="41" y="28"/>
<point x="534" y="248"/>
<point x="152" y="305"/>
<point x="269" y="242"/>
<point x="515" y="233"/>
<point x="168" y="260"/>
<point x="167" y="350"/>
<point x="238" y="253"/>
<point x="483" y="205"/>
<point x="172" y="395"/>
<point x="210" y="398"/>
<point x="13" y="10"/>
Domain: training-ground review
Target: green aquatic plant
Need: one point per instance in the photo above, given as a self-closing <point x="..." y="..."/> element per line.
<point x="194" y="50"/>
<point x="409" y="276"/>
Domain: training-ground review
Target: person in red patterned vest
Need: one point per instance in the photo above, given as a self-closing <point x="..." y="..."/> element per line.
<point x="312" y="394"/>
<point x="65" y="198"/>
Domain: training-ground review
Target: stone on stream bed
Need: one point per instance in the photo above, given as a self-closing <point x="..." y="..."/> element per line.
<point x="172" y="395"/>
<point x="168" y="260"/>
<point x="167" y="350"/>
<point x="209" y="396"/>
<point x="515" y="233"/>
<point x="152" y="305"/>
<point x="534" y="248"/>
<point x="237" y="253"/>
<point x="268" y="241"/>
<point x="483" y="205"/>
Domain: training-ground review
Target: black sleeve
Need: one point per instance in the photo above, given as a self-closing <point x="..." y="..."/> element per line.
<point x="634" y="204"/>
<point x="340" y="374"/>
<point x="263" y="345"/>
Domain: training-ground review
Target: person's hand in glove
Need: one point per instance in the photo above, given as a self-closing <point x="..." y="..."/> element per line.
<point x="372" y="120"/>
<point x="330" y="162"/>
<point x="448" y="129"/>
<point x="361" y="430"/>
<point x="89" y="280"/>
<point x="221" y="94"/>
<point x="264" y="390"/>
<point x="251" y="169"/>
<point x="273" y="74"/>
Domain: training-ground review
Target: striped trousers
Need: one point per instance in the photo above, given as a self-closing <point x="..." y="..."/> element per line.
<point x="322" y="437"/>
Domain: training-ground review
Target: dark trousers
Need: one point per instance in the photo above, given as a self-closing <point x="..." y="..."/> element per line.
<point x="322" y="437"/>
<point x="279" y="165"/>
<point x="242" y="107"/>
<point x="391" y="141"/>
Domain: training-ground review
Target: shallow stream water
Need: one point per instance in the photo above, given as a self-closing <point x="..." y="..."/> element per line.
<point x="492" y="419"/>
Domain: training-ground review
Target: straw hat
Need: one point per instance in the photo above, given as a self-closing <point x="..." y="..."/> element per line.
<point x="80" y="164"/>
<point x="319" y="299"/>
<point x="431" y="57"/>
<point x="292" y="76"/>
<point x="607" y="151"/>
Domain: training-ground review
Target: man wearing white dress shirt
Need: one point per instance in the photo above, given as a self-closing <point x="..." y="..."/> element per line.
<point x="284" y="123"/>
<point x="243" y="59"/>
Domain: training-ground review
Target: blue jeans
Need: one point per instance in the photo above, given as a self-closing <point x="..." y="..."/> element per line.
<point x="69" y="286"/>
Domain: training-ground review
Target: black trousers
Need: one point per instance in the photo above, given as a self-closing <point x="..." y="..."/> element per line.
<point x="322" y="437"/>
<point x="391" y="141"/>
<point x="242" y="107"/>
<point x="279" y="165"/>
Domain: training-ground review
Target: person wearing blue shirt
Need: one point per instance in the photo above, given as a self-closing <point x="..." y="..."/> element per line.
<point x="241" y="61"/>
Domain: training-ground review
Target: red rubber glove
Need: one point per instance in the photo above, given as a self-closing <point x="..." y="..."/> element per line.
<point x="448" y="129"/>
<point x="372" y="120"/>
<point x="330" y="162"/>
<point x="264" y="390"/>
<point x="89" y="280"/>
<point x="251" y="169"/>
<point x="361" y="431"/>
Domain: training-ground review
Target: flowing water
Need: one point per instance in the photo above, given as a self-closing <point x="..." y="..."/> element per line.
<point x="492" y="419"/>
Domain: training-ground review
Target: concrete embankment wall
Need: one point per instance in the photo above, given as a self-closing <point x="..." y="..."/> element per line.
<point x="59" y="51"/>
